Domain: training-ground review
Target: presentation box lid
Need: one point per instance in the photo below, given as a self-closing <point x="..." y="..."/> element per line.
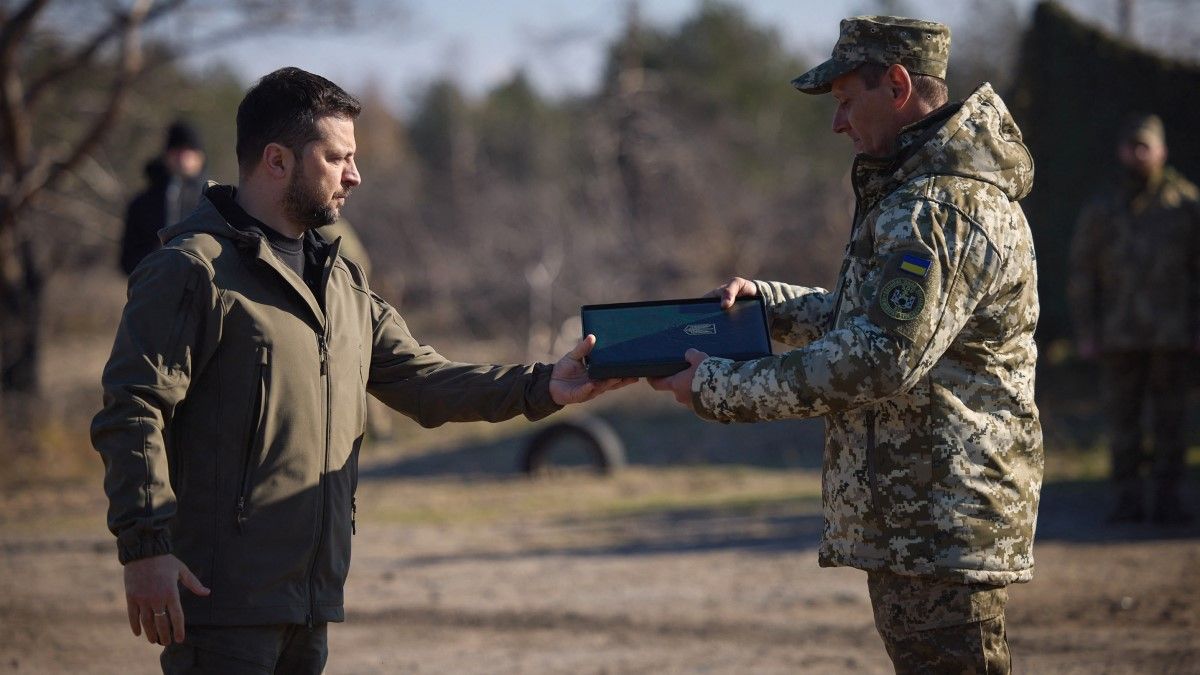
<point x="648" y="339"/>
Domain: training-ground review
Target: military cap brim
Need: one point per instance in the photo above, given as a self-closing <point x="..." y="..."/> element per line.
<point x="819" y="80"/>
<point x="923" y="47"/>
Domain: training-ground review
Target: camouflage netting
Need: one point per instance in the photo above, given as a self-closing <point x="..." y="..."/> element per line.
<point x="1075" y="85"/>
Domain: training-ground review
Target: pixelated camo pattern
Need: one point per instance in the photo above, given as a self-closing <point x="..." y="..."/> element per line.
<point x="936" y="626"/>
<point x="921" y="46"/>
<point x="933" y="459"/>
<point x="1135" y="267"/>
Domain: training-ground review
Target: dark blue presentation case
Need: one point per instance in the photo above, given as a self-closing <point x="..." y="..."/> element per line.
<point x="648" y="339"/>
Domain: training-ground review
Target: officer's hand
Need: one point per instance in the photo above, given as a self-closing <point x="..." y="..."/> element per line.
<point x="569" y="382"/>
<point x="681" y="383"/>
<point x="736" y="287"/>
<point x="152" y="596"/>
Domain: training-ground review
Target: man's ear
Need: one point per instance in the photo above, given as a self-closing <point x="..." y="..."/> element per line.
<point x="900" y="85"/>
<point x="278" y="160"/>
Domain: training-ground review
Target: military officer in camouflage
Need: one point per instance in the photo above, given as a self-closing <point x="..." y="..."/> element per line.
<point x="1135" y="293"/>
<point x="921" y="360"/>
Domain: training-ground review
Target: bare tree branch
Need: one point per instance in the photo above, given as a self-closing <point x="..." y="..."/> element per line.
<point x="88" y="51"/>
<point x="216" y="40"/>
<point x="83" y="215"/>
<point x="17" y="138"/>
<point x="15" y="28"/>
<point x="48" y="171"/>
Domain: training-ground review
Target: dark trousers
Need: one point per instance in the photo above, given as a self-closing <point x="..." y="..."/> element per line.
<point x="933" y="626"/>
<point x="249" y="650"/>
<point x="1132" y="379"/>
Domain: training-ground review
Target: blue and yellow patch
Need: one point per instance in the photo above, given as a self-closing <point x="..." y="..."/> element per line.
<point x="916" y="265"/>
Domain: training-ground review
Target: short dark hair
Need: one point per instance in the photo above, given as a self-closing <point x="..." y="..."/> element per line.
<point x="929" y="88"/>
<point x="284" y="107"/>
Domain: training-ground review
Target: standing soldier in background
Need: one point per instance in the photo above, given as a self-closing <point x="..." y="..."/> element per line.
<point x="175" y="181"/>
<point x="921" y="361"/>
<point x="1135" y="294"/>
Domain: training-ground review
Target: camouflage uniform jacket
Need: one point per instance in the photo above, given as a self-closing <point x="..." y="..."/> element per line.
<point x="1135" y="267"/>
<point x="922" y="360"/>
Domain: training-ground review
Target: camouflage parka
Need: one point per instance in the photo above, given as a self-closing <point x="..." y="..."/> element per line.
<point x="921" y="360"/>
<point x="1135" y="267"/>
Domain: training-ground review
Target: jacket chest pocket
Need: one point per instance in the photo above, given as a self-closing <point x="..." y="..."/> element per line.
<point x="175" y="357"/>
<point x="254" y="440"/>
<point x="854" y="289"/>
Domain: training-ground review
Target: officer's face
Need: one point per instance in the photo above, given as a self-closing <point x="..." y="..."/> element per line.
<point x="1144" y="155"/>
<point x="867" y="116"/>
<point x="324" y="175"/>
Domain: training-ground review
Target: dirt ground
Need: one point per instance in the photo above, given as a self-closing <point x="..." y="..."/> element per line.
<point x="669" y="566"/>
<point x="697" y="558"/>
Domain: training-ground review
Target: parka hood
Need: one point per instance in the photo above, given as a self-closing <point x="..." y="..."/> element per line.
<point x="979" y="140"/>
<point x="207" y="219"/>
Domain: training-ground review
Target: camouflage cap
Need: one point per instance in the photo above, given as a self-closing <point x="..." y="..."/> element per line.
<point x="922" y="47"/>
<point x="1144" y="128"/>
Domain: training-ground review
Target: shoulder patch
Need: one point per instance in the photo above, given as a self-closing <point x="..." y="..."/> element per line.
<point x="916" y="265"/>
<point x="907" y="281"/>
<point x="902" y="299"/>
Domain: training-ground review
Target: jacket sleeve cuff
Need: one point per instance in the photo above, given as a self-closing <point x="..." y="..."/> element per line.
<point x="539" y="402"/>
<point x="712" y="392"/>
<point x="766" y="293"/>
<point x="133" y="546"/>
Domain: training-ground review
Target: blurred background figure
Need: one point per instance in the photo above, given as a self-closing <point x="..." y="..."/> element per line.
<point x="1135" y="295"/>
<point x="174" y="183"/>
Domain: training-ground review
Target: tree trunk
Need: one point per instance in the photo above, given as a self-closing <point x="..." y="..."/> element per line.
<point x="21" y="287"/>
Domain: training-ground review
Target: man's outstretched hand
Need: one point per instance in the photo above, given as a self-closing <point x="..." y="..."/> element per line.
<point x="569" y="382"/>
<point x="152" y="596"/>
<point x="680" y="383"/>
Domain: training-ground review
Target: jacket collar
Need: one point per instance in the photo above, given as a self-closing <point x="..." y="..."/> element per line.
<point x="976" y="139"/>
<point x="216" y="215"/>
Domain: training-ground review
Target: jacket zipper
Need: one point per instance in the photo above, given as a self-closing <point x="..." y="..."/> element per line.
<point x="872" y="464"/>
<point x="841" y="284"/>
<point x="259" y="411"/>
<point x="837" y="301"/>
<point x="323" y="348"/>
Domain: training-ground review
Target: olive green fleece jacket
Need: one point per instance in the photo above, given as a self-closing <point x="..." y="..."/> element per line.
<point x="234" y="404"/>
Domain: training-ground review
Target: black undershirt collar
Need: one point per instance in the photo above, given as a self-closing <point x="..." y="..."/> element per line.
<point x="304" y="256"/>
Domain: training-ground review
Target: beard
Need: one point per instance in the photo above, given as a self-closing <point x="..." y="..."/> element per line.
<point x="306" y="206"/>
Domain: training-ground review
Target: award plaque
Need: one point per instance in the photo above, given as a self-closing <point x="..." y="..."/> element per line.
<point x="648" y="339"/>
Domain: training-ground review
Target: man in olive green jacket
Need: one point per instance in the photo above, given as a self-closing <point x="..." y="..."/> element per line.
<point x="921" y="361"/>
<point x="235" y="394"/>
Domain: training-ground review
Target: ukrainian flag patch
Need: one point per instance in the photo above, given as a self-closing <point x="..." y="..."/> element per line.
<point x="915" y="264"/>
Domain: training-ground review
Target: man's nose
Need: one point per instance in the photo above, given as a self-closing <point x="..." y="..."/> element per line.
<point x="350" y="177"/>
<point x="840" y="126"/>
